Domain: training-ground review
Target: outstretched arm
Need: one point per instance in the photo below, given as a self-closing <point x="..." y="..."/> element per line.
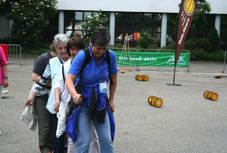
<point x="77" y="98"/>
<point x="112" y="87"/>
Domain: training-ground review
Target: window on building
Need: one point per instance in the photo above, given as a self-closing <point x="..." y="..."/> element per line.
<point x="87" y="14"/>
<point x="79" y="16"/>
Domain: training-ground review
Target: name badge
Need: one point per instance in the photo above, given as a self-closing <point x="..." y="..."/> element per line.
<point x="103" y="87"/>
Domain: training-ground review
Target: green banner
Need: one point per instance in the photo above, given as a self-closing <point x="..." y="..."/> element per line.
<point x="164" y="59"/>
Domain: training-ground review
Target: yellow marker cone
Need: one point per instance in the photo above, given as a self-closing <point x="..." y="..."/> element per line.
<point x="155" y="101"/>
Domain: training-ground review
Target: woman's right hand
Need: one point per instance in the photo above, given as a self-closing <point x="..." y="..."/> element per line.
<point x="56" y="105"/>
<point x="29" y="102"/>
<point x="77" y="98"/>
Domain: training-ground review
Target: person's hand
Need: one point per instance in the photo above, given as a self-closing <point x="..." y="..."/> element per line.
<point x="77" y="98"/>
<point x="48" y="84"/>
<point x="5" y="82"/>
<point x="29" y="101"/>
<point x="56" y="105"/>
<point x="112" y="105"/>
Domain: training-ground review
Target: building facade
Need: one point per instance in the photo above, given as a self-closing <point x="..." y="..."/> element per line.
<point x="164" y="7"/>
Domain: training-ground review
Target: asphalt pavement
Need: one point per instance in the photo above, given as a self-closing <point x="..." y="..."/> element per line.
<point x="187" y="123"/>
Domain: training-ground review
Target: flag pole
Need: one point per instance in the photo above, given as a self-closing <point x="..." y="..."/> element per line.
<point x="174" y="74"/>
<point x="186" y="14"/>
<point x="175" y="66"/>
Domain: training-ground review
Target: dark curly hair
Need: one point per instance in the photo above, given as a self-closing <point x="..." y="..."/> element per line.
<point x="100" y="36"/>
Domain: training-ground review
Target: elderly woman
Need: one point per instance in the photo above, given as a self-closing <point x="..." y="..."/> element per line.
<point x="96" y="68"/>
<point x="62" y="97"/>
<point x="42" y="97"/>
<point x="51" y="73"/>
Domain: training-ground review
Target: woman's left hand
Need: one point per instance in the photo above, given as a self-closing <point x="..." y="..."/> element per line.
<point x="112" y="105"/>
<point x="56" y="105"/>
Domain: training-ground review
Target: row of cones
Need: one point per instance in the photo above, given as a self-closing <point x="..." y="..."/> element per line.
<point x="211" y="95"/>
<point x="158" y="102"/>
<point x="142" y="77"/>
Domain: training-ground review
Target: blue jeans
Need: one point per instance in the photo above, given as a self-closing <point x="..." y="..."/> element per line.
<point x="84" y="134"/>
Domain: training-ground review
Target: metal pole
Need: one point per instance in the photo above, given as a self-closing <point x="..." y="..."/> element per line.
<point x="15" y="53"/>
<point x="174" y="73"/>
<point x="224" y="62"/>
<point x="189" y="62"/>
<point x="20" y="55"/>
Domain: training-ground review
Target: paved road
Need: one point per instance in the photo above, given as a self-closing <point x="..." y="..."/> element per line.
<point x="187" y="123"/>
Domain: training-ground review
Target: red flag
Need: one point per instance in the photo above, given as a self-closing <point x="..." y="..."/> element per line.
<point x="186" y="14"/>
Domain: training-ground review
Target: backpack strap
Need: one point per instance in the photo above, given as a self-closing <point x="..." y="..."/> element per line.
<point x="63" y="72"/>
<point x="60" y="60"/>
<point x="88" y="59"/>
<point x="107" y="58"/>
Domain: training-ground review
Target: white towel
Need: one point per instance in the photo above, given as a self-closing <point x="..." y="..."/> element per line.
<point x="61" y="115"/>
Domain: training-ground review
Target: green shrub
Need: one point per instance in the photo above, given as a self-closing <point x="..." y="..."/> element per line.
<point x="146" y="40"/>
<point x="39" y="48"/>
<point x="170" y="45"/>
<point x="201" y="55"/>
<point x="197" y="43"/>
<point x="210" y="43"/>
<point x="214" y="41"/>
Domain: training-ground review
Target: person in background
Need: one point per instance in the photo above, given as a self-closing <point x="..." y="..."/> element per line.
<point x="48" y="80"/>
<point x="78" y="34"/>
<point x="39" y="99"/>
<point x="3" y="72"/>
<point x="51" y="73"/>
<point x="92" y="100"/>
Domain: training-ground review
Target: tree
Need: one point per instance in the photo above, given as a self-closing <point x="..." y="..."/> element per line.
<point x="5" y="6"/>
<point x="223" y="35"/>
<point x="30" y="18"/>
<point x="146" y="40"/>
<point x="89" y="24"/>
<point x="202" y="28"/>
<point x="199" y="36"/>
<point x="213" y="39"/>
<point x="200" y="25"/>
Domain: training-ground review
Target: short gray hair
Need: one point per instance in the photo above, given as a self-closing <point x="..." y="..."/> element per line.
<point x="59" y="38"/>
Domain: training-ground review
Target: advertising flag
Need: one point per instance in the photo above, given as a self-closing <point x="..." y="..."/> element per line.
<point x="186" y="14"/>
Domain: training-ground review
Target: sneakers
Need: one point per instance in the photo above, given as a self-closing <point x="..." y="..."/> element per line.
<point x="4" y="93"/>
